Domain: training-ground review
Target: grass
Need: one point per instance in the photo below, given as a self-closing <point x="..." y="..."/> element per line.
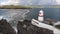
<point x="14" y="7"/>
<point x="57" y="26"/>
<point x="27" y="7"/>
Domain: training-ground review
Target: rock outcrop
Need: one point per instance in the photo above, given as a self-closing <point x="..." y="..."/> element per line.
<point x="26" y="27"/>
<point x="5" y="27"/>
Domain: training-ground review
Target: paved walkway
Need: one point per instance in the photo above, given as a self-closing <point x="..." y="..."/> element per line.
<point x="39" y="24"/>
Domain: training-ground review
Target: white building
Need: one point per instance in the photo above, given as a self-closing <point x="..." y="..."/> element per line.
<point x="39" y="23"/>
<point x="41" y="16"/>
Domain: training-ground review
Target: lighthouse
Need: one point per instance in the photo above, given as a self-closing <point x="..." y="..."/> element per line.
<point x="41" y="16"/>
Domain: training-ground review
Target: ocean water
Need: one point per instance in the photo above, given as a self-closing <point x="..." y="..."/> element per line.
<point x="53" y="13"/>
<point x="14" y="15"/>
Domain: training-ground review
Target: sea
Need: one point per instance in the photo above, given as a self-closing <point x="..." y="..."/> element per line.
<point x="53" y="13"/>
<point x="14" y="15"/>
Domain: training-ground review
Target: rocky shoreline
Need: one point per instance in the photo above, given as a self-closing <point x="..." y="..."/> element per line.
<point x="24" y="27"/>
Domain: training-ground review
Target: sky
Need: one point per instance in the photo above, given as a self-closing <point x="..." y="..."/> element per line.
<point x="29" y="2"/>
<point x="58" y="1"/>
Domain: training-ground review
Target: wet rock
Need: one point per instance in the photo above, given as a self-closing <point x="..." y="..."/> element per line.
<point x="5" y="27"/>
<point x="50" y="21"/>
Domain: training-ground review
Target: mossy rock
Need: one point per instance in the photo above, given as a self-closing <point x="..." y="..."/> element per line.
<point x="57" y="26"/>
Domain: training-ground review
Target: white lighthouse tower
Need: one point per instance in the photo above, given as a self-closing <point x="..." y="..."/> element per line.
<point x="41" y="16"/>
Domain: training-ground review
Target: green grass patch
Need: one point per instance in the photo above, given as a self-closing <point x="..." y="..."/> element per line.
<point x="14" y="7"/>
<point x="57" y="26"/>
<point x="27" y="7"/>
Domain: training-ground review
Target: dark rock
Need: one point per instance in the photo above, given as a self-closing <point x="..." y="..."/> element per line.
<point x="31" y="29"/>
<point x="50" y="21"/>
<point x="5" y="27"/>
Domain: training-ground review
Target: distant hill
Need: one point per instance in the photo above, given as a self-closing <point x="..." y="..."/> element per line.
<point x="45" y="6"/>
<point x="28" y="7"/>
<point x="14" y="7"/>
